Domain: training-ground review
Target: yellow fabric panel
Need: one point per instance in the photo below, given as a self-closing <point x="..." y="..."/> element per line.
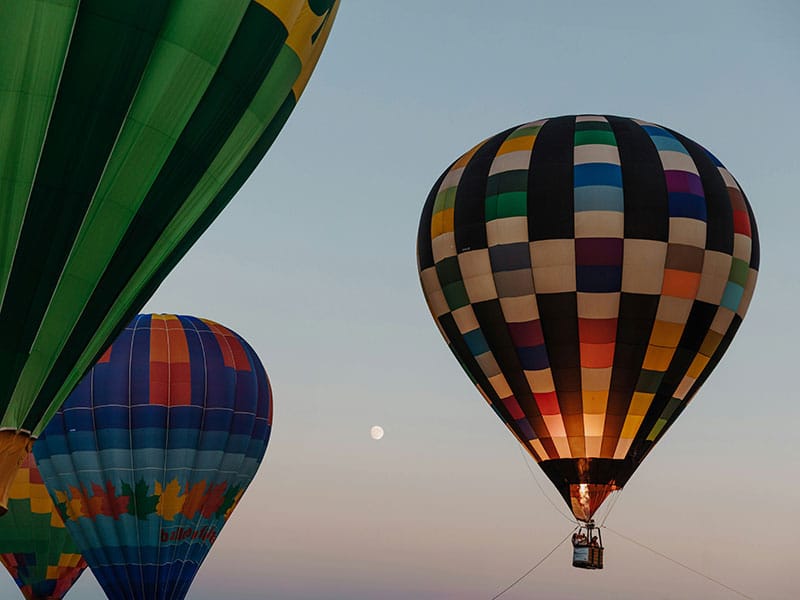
<point x="52" y="572"/>
<point x="658" y="358"/>
<point x="516" y="144"/>
<point x="55" y="520"/>
<point x="442" y="222"/>
<point x="41" y="506"/>
<point x="286" y="11"/>
<point x="631" y="426"/>
<point x="300" y="34"/>
<point x="698" y="364"/>
<point x="666" y="334"/>
<point x="640" y="403"/>
<point x="595" y="402"/>
<point x="465" y="158"/>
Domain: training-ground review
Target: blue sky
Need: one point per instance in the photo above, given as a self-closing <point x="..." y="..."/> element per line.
<point x="314" y="264"/>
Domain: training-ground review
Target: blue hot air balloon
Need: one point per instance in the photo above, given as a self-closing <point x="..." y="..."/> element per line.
<point x="153" y="450"/>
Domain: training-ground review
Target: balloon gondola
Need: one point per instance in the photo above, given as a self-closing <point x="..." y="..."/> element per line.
<point x="125" y="128"/>
<point x="588" y="272"/>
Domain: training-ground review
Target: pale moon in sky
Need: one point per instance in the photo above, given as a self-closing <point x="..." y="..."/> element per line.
<point x="376" y="432"/>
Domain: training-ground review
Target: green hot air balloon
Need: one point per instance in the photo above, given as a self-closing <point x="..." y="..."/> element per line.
<point x="125" y="128"/>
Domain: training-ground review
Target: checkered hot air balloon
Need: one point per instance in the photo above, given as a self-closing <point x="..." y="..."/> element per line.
<point x="126" y="126"/>
<point x="588" y="272"/>
<point x="35" y="547"/>
<point x="153" y="450"/>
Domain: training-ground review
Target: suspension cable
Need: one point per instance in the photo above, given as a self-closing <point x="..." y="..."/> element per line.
<point x="687" y="567"/>
<point x="541" y="489"/>
<point x="529" y="571"/>
<point x="611" y="506"/>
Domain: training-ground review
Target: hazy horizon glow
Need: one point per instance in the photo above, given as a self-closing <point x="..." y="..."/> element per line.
<point x="313" y="263"/>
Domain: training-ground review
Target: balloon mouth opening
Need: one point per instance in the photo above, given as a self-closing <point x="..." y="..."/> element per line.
<point x="586" y="498"/>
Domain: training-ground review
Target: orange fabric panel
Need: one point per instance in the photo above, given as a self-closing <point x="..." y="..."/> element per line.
<point x="680" y="284"/>
<point x="597" y="356"/>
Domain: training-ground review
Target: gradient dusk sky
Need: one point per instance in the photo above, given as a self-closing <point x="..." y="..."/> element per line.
<point x="314" y="264"/>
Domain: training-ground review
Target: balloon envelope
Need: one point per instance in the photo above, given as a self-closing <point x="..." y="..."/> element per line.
<point x="125" y="128"/>
<point x="150" y="454"/>
<point x="588" y="273"/>
<point x="35" y="546"/>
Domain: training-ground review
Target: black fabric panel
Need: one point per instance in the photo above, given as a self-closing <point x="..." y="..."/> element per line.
<point x="424" y="246"/>
<point x="719" y="234"/>
<point x="637" y="313"/>
<point x="755" y="257"/>
<point x="645" y="188"/>
<point x="602" y="471"/>
<point x="90" y="107"/>
<point x="493" y="326"/>
<point x="551" y="205"/>
<point x="559" y="319"/>
<point x="470" y="205"/>
<point x="98" y="306"/>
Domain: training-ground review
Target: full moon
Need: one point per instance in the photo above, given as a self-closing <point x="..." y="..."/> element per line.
<point x="376" y="432"/>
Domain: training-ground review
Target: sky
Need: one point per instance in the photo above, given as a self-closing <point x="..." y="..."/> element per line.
<point x="313" y="262"/>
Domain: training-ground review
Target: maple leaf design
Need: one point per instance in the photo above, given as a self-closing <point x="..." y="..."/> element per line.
<point x="170" y="499"/>
<point x="106" y="502"/>
<point x="76" y="504"/>
<point x="214" y="499"/>
<point x="227" y="502"/>
<point x="194" y="499"/>
<point x="142" y="504"/>
<point x="61" y="503"/>
<point x="236" y="499"/>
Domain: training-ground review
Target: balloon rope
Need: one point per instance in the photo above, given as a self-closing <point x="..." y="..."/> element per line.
<point x="541" y="489"/>
<point x="611" y="506"/>
<point x="687" y="567"/>
<point x="529" y="571"/>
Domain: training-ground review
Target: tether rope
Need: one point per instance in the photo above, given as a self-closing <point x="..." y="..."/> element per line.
<point x="687" y="567"/>
<point x="541" y="489"/>
<point x="529" y="571"/>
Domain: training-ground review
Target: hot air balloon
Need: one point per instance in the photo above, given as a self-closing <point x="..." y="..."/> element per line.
<point x="35" y="546"/>
<point x="125" y="128"/>
<point x="153" y="450"/>
<point x="588" y="273"/>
